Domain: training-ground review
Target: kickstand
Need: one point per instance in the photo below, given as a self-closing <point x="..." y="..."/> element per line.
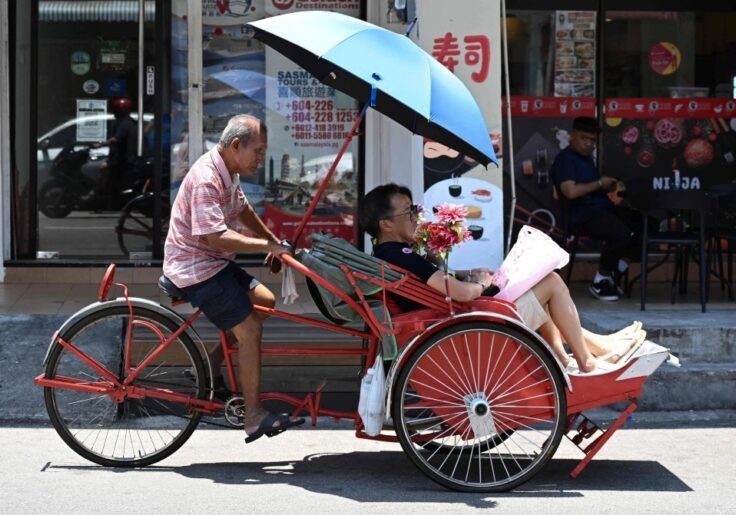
<point x="583" y="429"/>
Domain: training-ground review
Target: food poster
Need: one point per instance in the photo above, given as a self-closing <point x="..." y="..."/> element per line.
<point x="467" y="41"/>
<point x="575" y="53"/>
<point x="308" y="122"/>
<point x="670" y="143"/>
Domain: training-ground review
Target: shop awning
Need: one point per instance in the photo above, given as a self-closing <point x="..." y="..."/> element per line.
<point x="94" y="10"/>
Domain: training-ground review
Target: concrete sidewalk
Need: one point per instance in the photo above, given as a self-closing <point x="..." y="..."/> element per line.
<point x="705" y="344"/>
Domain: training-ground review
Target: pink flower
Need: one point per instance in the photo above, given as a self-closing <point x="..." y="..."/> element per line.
<point x="441" y="236"/>
<point x="451" y="213"/>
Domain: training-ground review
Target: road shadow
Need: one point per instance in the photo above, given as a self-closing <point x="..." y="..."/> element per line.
<point x="388" y="476"/>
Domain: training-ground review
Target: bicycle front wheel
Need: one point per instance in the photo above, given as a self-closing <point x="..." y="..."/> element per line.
<point x="128" y="432"/>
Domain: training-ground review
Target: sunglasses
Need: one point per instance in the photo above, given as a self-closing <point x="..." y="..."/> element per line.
<point x="413" y="212"/>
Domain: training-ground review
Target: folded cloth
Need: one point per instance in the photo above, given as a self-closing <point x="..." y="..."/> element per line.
<point x="288" y="286"/>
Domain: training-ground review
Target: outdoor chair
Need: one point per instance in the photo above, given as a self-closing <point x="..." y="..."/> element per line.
<point x="686" y="214"/>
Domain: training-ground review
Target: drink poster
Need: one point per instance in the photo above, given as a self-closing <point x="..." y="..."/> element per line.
<point x="467" y="42"/>
<point x="575" y="53"/>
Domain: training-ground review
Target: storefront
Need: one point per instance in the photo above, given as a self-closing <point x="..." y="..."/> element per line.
<point x="662" y="82"/>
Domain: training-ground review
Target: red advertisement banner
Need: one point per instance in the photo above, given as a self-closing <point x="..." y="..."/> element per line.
<point x="552" y="106"/>
<point x="670" y="108"/>
<point x="570" y="107"/>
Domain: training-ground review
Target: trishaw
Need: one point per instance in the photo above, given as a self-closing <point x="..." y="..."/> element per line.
<point x="476" y="399"/>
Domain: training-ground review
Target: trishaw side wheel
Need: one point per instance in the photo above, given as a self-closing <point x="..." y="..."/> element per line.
<point x="134" y="431"/>
<point x="479" y="407"/>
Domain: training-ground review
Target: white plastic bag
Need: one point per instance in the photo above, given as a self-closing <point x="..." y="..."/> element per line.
<point x="288" y="286"/>
<point x="372" y="403"/>
<point x="533" y="256"/>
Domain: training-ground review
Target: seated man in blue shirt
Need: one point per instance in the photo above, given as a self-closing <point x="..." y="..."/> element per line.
<point x="389" y="216"/>
<point x="591" y="213"/>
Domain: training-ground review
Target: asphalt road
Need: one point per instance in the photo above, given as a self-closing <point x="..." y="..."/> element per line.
<point x="330" y="471"/>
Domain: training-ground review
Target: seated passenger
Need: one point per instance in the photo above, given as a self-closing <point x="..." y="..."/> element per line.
<point x="388" y="215"/>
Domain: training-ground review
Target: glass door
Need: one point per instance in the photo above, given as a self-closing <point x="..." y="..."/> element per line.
<point x="96" y="129"/>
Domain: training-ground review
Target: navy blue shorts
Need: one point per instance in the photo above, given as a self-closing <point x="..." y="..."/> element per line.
<point x="223" y="298"/>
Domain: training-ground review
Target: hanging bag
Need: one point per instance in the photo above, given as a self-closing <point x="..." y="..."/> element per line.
<point x="372" y="403"/>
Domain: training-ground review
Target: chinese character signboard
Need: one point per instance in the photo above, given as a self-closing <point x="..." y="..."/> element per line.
<point x="465" y="37"/>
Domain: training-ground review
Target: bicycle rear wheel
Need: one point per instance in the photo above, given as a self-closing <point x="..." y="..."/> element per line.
<point x="136" y="431"/>
<point x="479" y="407"/>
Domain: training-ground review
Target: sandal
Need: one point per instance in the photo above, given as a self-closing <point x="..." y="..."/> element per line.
<point x="623" y="351"/>
<point x="266" y="427"/>
<point x="628" y="331"/>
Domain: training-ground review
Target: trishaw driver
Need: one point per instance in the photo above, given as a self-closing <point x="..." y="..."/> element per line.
<point x="206" y="230"/>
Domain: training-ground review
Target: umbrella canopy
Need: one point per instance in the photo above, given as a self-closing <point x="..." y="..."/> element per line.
<point x="385" y="70"/>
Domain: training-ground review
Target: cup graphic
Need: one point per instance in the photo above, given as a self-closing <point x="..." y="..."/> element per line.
<point x="476" y="231"/>
<point x="524" y="106"/>
<point x="527" y="168"/>
<point x="455" y="190"/>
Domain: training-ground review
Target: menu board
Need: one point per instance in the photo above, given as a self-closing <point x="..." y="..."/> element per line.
<point x="575" y="53"/>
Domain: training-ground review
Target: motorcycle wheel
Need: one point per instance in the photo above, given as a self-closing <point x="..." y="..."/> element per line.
<point x="55" y="200"/>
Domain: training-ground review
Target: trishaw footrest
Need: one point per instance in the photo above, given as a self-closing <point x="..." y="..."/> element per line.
<point x="581" y="428"/>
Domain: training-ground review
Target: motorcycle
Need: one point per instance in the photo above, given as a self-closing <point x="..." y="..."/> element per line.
<point x="69" y="188"/>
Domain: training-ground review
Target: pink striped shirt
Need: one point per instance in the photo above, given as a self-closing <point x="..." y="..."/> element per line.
<point x="208" y="201"/>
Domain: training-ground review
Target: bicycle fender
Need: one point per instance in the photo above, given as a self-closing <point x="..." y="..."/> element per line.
<point x="467" y="317"/>
<point x="136" y="302"/>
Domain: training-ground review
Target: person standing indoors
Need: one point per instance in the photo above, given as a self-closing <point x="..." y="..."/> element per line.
<point x="211" y="221"/>
<point x="590" y="212"/>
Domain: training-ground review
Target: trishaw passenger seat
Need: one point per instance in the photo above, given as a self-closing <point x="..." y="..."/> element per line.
<point x="171" y="290"/>
<point x="326" y="257"/>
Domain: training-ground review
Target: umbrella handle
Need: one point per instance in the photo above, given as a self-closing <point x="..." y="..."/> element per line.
<point x="411" y="26"/>
<point x="315" y="200"/>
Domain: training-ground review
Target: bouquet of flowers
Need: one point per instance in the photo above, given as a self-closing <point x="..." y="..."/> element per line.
<point x="438" y="238"/>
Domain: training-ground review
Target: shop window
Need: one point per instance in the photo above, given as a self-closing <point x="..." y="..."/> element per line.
<point x="307" y="121"/>
<point x="669" y="109"/>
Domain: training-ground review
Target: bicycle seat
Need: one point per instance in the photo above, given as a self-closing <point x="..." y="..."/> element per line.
<point x="171" y="290"/>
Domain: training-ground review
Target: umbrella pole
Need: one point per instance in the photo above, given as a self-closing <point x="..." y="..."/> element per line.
<point x="315" y="200"/>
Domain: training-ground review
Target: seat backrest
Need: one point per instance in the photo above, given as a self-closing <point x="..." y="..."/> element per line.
<point x="325" y="257"/>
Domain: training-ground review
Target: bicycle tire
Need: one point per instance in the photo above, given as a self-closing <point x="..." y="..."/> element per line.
<point x="141" y="418"/>
<point x="498" y="404"/>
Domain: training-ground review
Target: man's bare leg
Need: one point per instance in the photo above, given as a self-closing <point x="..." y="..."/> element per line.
<point x="249" y="334"/>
